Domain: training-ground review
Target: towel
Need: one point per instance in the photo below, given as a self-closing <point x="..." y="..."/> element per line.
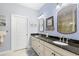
<point x="2" y="36"/>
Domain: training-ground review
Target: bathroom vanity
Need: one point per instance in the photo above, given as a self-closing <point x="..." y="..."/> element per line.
<point x="44" y="46"/>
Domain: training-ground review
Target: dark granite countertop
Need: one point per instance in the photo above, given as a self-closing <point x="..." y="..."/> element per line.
<point x="73" y="45"/>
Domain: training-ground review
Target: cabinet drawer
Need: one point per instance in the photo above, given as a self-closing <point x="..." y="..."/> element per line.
<point x="41" y="49"/>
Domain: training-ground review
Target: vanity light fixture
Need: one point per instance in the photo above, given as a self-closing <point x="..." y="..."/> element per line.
<point x="58" y="5"/>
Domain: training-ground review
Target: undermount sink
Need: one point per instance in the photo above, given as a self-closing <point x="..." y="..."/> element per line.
<point x="36" y="36"/>
<point x="60" y="43"/>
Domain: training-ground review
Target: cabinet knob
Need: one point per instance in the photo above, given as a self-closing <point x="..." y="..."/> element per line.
<point x="53" y="54"/>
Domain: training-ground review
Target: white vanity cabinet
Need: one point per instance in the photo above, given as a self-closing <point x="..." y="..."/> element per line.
<point x="48" y="51"/>
<point x="59" y="51"/>
<point x="43" y="48"/>
<point x="35" y="44"/>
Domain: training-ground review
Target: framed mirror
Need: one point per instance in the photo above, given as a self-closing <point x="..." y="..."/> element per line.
<point x="66" y="19"/>
<point x="50" y="24"/>
<point x="41" y="25"/>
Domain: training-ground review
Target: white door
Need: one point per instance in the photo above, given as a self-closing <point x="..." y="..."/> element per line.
<point x="19" y="32"/>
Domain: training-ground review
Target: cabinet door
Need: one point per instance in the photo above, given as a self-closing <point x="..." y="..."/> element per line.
<point x="32" y="43"/>
<point x="52" y="48"/>
<point x="41" y="49"/>
<point x="48" y="52"/>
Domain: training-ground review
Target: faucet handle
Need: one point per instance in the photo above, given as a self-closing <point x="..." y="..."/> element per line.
<point x="63" y="38"/>
<point x="67" y="40"/>
<point x="46" y="34"/>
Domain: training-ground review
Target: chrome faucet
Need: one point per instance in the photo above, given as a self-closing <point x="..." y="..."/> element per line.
<point x="63" y="38"/>
<point x="60" y="38"/>
<point x="67" y="40"/>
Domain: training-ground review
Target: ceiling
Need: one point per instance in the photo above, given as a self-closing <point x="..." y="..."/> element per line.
<point x="35" y="6"/>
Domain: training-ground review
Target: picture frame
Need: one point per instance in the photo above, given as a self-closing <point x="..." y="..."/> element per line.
<point x="66" y="19"/>
<point x="2" y="22"/>
<point x="50" y="24"/>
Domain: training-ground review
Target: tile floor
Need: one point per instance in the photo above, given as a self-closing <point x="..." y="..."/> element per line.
<point x="23" y="52"/>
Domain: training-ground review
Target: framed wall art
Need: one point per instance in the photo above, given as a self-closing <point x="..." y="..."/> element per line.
<point x="2" y="23"/>
<point x="66" y="19"/>
<point x="50" y="24"/>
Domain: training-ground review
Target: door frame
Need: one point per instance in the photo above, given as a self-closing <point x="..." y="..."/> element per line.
<point x="12" y="42"/>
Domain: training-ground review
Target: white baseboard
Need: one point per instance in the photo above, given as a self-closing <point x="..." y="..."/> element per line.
<point x="9" y="51"/>
<point x="5" y="52"/>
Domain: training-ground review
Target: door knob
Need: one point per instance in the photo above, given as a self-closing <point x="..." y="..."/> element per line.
<point x="6" y="30"/>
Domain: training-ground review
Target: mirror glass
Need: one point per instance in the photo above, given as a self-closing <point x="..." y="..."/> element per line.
<point x="41" y="25"/>
<point x="66" y="19"/>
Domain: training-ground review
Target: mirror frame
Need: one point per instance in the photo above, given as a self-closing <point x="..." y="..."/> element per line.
<point x="50" y="27"/>
<point x="75" y="20"/>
